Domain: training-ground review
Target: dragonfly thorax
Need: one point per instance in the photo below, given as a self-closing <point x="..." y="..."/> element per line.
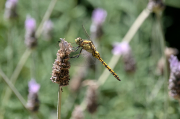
<point x="78" y="40"/>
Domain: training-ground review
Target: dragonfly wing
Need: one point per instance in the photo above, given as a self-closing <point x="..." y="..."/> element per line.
<point x="84" y="59"/>
<point x="89" y="38"/>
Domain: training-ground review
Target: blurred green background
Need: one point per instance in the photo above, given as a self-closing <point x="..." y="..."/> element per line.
<point x="131" y="98"/>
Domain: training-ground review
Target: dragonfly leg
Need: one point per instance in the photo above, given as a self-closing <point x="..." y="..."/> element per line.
<point x="76" y="56"/>
<point x="77" y="48"/>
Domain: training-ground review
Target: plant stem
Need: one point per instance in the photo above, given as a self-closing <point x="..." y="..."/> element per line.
<point x="59" y="103"/>
<point x="166" y="76"/>
<point x="128" y="37"/>
<point x="155" y="90"/>
<point x="10" y="53"/>
<point x="16" y="73"/>
<point x="46" y="17"/>
<point x="15" y="91"/>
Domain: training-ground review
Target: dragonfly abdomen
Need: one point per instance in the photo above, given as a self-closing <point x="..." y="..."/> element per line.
<point x="110" y="70"/>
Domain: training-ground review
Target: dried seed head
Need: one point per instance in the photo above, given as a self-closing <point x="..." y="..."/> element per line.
<point x="156" y="5"/>
<point x="60" y="72"/>
<point x="33" y="101"/>
<point x="174" y="81"/>
<point x="77" y="113"/>
<point x="30" y="26"/>
<point x="91" y="97"/>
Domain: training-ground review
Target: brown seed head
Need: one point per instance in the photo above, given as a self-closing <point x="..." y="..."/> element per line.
<point x="60" y="72"/>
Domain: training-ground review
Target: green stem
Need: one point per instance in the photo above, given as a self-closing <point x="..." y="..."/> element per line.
<point x="10" y="53"/>
<point x="46" y="17"/>
<point x="11" y="86"/>
<point x="59" y="103"/>
<point x="155" y="90"/>
<point x="166" y="76"/>
<point x="128" y="37"/>
<point x="33" y="65"/>
<point x="16" y="74"/>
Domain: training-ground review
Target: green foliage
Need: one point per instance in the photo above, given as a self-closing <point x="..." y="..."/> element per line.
<point x="126" y="99"/>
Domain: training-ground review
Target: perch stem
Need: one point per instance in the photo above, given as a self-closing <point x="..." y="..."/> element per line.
<point x="59" y="103"/>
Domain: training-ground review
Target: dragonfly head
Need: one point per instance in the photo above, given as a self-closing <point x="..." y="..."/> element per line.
<point x="78" y="40"/>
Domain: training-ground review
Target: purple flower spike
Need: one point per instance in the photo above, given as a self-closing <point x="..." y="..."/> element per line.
<point x="121" y="48"/>
<point x="10" y="11"/>
<point x="10" y="4"/>
<point x="30" y="24"/>
<point x="174" y="64"/>
<point x="30" y="39"/>
<point x="99" y="16"/>
<point x="33" y="86"/>
<point x="174" y="80"/>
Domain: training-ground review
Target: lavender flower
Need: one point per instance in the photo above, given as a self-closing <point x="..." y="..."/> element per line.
<point x="47" y="30"/>
<point x="174" y="81"/>
<point x="33" y="86"/>
<point x="121" y="48"/>
<point x="124" y="49"/>
<point x="10" y="9"/>
<point x="30" y="26"/>
<point x="98" y="18"/>
<point x="33" y="101"/>
<point x="161" y="63"/>
<point x="174" y="65"/>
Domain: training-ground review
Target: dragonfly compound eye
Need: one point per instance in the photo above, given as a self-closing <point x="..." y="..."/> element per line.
<point x="77" y="40"/>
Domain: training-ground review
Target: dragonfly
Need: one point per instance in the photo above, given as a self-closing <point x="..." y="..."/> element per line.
<point x="88" y="45"/>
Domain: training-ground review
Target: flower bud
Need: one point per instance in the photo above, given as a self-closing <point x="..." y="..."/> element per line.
<point x="124" y="49"/>
<point x="33" y="101"/>
<point x="10" y="9"/>
<point x="30" y="26"/>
